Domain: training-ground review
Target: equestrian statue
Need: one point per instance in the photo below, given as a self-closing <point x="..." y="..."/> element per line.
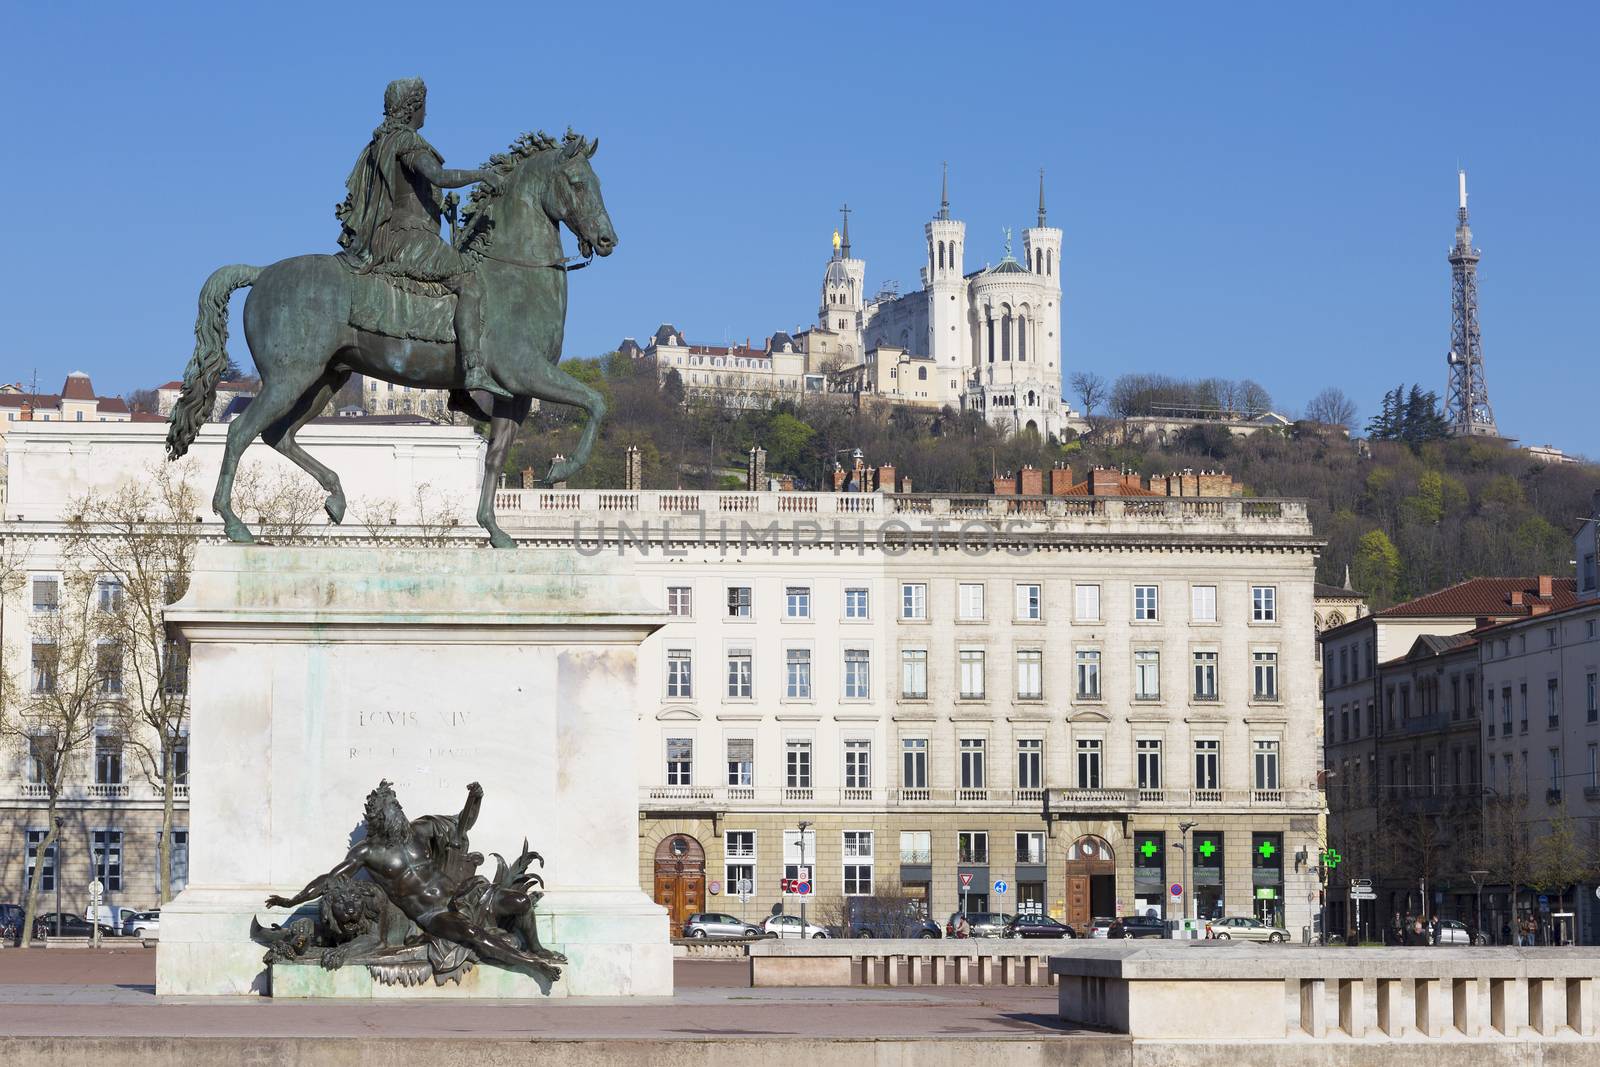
<point x="482" y="312"/>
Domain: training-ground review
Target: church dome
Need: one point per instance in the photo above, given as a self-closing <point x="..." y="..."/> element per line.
<point x="1008" y="265"/>
<point x="836" y="275"/>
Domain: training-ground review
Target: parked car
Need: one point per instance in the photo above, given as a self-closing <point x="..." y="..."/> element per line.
<point x="111" y="917"/>
<point x="1454" y="932"/>
<point x="1038" y="926"/>
<point x="791" y="926"/>
<point x="1101" y="927"/>
<point x="717" y="924"/>
<point x="874" y="917"/>
<point x="142" y="924"/>
<point x="71" y="925"/>
<point x="1242" y="928"/>
<point x="1142" y="926"/>
<point x="981" y="923"/>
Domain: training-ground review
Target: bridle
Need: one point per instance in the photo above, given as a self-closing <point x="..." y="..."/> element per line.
<point x="566" y="264"/>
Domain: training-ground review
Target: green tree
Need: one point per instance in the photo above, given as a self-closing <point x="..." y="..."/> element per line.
<point x="1376" y="568"/>
<point x="787" y="438"/>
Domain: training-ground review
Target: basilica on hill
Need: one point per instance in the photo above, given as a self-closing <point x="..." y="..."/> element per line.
<point x="987" y="340"/>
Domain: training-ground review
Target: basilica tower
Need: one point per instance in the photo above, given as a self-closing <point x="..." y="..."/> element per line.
<point x="842" y="286"/>
<point x="1041" y="251"/>
<point x="942" y="277"/>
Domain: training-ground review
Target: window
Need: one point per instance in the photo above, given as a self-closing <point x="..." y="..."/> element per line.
<point x="47" y="875"/>
<point x="1266" y="764"/>
<point x="1086" y="603"/>
<point x="41" y="756"/>
<point x="913" y="601"/>
<point x="1205" y="676"/>
<point x="1505" y="710"/>
<point x="1263" y="603"/>
<point x="858" y="764"/>
<point x="1030" y="763"/>
<point x="800" y="850"/>
<point x="1344" y="666"/>
<point x="1591" y="695"/>
<point x="1522" y="704"/>
<point x="680" y="673"/>
<point x="739" y="602"/>
<point x="1588" y="572"/>
<point x="972" y="846"/>
<point x="1144" y="603"/>
<point x="739" y="854"/>
<point x="680" y="761"/>
<point x="1594" y="766"/>
<point x="1203" y="603"/>
<point x="1030" y="674"/>
<point x="914" y="674"/>
<point x="46" y="593"/>
<point x="741" y="761"/>
<point x="1149" y="763"/>
<point x="178" y="870"/>
<point x="108" y="592"/>
<point x="1206" y="757"/>
<point x="1265" y="667"/>
<point x="797" y="765"/>
<point x="680" y="600"/>
<point x="916" y="846"/>
<point x="971" y="600"/>
<point x="108" y="759"/>
<point x="108" y="668"/>
<point x="856" y="603"/>
<point x="1088" y="671"/>
<point x="740" y="674"/>
<point x="1147" y="675"/>
<point x="175" y="668"/>
<point x="44" y="667"/>
<point x="1030" y="603"/>
<point x="857" y="674"/>
<point x="1088" y="763"/>
<point x="1552" y="704"/>
<point x="107" y="858"/>
<point x="797" y="602"/>
<point x="1030" y="847"/>
<point x="1555" y="771"/>
<point x="797" y="674"/>
<point x="972" y="776"/>
<point x="972" y="673"/>
<point x="857" y="863"/>
<point x="914" y="763"/>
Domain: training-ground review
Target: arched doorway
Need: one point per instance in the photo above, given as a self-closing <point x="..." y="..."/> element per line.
<point x="1091" y="881"/>
<point x="680" y="879"/>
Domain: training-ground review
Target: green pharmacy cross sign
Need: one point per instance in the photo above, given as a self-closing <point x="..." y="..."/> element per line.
<point x="1148" y="848"/>
<point x="1267" y="849"/>
<point x="1207" y="848"/>
<point x="1331" y="858"/>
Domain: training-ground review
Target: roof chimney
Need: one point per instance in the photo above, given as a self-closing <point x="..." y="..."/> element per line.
<point x="1546" y="586"/>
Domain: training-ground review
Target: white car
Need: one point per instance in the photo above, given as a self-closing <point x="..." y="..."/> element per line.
<point x="146" y="924"/>
<point x="1243" y="928"/>
<point x="1100" y="928"/>
<point x="791" y="926"/>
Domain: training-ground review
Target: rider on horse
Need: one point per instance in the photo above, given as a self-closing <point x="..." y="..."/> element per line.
<point x="390" y="218"/>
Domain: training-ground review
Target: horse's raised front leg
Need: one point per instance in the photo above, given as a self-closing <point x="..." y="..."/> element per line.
<point x="554" y="384"/>
<point x="508" y="416"/>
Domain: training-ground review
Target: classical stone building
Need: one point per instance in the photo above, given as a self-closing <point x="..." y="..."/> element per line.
<point x="1041" y="703"/>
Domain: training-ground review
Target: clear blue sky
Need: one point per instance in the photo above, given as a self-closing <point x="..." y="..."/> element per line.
<point x="1247" y="190"/>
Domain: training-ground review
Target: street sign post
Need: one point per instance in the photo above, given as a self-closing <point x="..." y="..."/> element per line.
<point x="966" y="883"/>
<point x="1363" y="894"/>
<point x="1000" y="886"/>
<point x="96" y="888"/>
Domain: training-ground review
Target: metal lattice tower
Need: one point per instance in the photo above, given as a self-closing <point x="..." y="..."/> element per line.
<point x="1466" y="406"/>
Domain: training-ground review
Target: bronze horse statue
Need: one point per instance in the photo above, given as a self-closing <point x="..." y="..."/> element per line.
<point x="297" y="321"/>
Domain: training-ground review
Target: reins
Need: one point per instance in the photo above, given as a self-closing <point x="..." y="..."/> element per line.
<point x="567" y="264"/>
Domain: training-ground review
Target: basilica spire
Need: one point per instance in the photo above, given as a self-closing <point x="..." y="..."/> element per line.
<point x="844" y="212"/>
<point x="944" y="191"/>
<point x="1041" y="198"/>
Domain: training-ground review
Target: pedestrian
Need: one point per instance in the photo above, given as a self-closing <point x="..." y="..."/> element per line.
<point x="963" y="927"/>
<point x="1505" y="932"/>
<point x="1419" y="934"/>
<point x="1434" y="933"/>
<point x="1211" y="935"/>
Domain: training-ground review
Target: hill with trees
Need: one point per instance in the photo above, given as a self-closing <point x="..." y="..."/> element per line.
<point x="1408" y="508"/>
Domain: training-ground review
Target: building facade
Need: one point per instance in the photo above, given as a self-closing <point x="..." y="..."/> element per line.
<point x="1035" y="723"/>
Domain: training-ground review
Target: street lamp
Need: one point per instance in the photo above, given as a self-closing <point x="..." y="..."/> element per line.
<point x="1478" y="878"/>
<point x="804" y="826"/>
<point x="1186" y="875"/>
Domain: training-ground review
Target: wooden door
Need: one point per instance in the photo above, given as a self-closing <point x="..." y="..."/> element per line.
<point x="1078" y="902"/>
<point x="680" y="879"/>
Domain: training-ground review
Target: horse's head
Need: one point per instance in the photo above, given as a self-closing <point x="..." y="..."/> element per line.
<point x="572" y="195"/>
<point x="542" y="179"/>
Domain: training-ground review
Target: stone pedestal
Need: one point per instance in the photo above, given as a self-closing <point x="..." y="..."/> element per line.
<point x="318" y="671"/>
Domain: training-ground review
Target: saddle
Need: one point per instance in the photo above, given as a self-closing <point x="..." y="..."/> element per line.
<point x="397" y="306"/>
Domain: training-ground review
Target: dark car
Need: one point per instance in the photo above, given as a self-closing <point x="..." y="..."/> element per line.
<point x="1141" y="926"/>
<point x="71" y="925"/>
<point x="1038" y="926"/>
<point x="868" y="917"/>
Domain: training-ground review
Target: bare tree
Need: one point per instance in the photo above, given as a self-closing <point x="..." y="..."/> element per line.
<point x="1332" y="407"/>
<point x="1092" y="390"/>
<point x="284" y="503"/>
<point x="142" y="536"/>
<point x="1504" y="848"/>
<point x="73" y="692"/>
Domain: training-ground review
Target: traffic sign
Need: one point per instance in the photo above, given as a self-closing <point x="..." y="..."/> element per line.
<point x="805" y="874"/>
<point x="1000" y="886"/>
<point x="1361" y="883"/>
<point x="1363" y="894"/>
<point x="803" y="888"/>
<point x="715" y="887"/>
<point x="97" y="887"/>
<point x="1177" y="890"/>
<point x="966" y="880"/>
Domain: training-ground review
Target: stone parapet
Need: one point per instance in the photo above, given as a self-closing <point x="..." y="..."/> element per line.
<point x="1218" y="991"/>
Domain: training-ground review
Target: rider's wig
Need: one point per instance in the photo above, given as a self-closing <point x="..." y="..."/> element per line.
<point x="402" y="98"/>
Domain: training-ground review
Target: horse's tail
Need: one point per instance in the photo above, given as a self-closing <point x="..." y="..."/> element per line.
<point x="210" y="355"/>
